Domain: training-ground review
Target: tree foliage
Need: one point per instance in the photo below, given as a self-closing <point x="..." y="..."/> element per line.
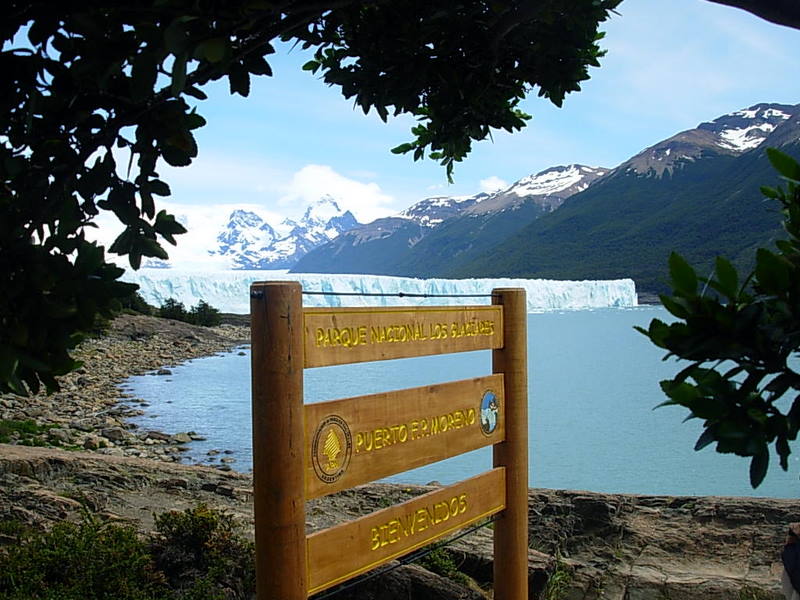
<point x="742" y="338"/>
<point x="96" y="95"/>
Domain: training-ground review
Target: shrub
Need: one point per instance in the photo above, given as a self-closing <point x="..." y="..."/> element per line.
<point x="89" y="561"/>
<point x="205" y="314"/>
<point x="202" y="555"/>
<point x="135" y="303"/>
<point x="172" y="309"/>
<point x="195" y="555"/>
<point x="201" y="314"/>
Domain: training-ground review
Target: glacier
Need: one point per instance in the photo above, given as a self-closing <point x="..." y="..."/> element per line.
<point x="229" y="291"/>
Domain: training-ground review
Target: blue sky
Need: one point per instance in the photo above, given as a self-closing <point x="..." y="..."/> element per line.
<point x="670" y="65"/>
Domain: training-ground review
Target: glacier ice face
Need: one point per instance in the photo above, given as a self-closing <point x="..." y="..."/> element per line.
<point x="229" y="291"/>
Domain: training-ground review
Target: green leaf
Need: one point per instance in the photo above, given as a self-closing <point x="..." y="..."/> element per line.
<point x="179" y="74"/>
<point x="159" y="188"/>
<point x="403" y="148"/>
<point x="144" y="73"/>
<point x="239" y="80"/>
<point x="684" y="279"/>
<point x="704" y="440"/>
<point x="784" y="164"/>
<point x="676" y="307"/>
<point x="772" y="272"/>
<point x="212" y="50"/>
<point x="727" y="277"/>
<point x="758" y="467"/>
<point x="770" y="192"/>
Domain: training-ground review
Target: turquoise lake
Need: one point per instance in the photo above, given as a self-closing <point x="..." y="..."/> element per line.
<point x="593" y="386"/>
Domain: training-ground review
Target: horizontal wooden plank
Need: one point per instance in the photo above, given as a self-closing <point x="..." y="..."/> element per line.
<point x="335" y="336"/>
<point x="342" y="552"/>
<point x="356" y="440"/>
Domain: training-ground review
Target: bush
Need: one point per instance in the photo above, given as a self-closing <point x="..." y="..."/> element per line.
<point x="202" y="555"/>
<point x="135" y="303"/>
<point x="172" y="309"/>
<point x="196" y="554"/>
<point x="205" y="314"/>
<point x="201" y="314"/>
<point x="89" y="561"/>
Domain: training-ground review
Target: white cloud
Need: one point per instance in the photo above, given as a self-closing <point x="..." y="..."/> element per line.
<point x="204" y="222"/>
<point x="365" y="200"/>
<point x="493" y="184"/>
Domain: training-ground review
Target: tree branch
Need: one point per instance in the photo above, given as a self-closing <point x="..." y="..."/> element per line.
<point x="780" y="12"/>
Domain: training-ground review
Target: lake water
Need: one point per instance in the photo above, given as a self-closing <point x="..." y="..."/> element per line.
<point x="593" y="385"/>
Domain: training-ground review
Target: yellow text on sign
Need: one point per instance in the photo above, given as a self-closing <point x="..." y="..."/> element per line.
<point x="386" y="534"/>
<point x="339" y="336"/>
<point x="393" y="432"/>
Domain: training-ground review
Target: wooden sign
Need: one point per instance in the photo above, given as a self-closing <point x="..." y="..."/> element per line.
<point x="334" y="336"/>
<point x="349" y="549"/>
<point x="302" y="451"/>
<point x="358" y="440"/>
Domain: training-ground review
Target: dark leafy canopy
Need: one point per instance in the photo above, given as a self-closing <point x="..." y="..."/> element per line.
<point x="96" y="95"/>
<point x="461" y="68"/>
<point x="742" y="336"/>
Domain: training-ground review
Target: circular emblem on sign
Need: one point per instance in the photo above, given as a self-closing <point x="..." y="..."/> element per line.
<point x="331" y="448"/>
<point x="490" y="408"/>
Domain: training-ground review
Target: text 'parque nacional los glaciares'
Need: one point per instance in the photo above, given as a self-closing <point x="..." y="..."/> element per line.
<point x="357" y="335"/>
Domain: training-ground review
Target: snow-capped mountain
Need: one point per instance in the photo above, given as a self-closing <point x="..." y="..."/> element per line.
<point x="547" y="189"/>
<point x="435" y="229"/>
<point x="731" y="134"/>
<point x="252" y="243"/>
<point x="431" y="212"/>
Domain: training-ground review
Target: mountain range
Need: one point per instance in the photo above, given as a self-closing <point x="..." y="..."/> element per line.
<point x="696" y="192"/>
<point x="252" y="243"/>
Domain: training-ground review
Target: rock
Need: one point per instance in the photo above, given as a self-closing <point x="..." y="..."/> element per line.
<point x="158" y="435"/>
<point x="163" y="371"/>
<point x="60" y="435"/>
<point x="115" y="434"/>
<point x="83" y="425"/>
<point x="91" y="443"/>
<point x="409" y="582"/>
<point x="181" y="438"/>
<point x="175" y="482"/>
<point x="227" y="460"/>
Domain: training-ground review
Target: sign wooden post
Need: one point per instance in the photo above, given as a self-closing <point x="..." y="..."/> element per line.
<point x="306" y="451"/>
<point x="276" y="312"/>
<point x="511" y="529"/>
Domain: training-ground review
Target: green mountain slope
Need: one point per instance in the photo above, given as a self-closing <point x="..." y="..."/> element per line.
<point x="627" y="224"/>
<point x="461" y="238"/>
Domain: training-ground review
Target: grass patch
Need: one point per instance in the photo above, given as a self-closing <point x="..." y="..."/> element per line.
<point x="27" y="431"/>
<point x="557" y="582"/>
<point x="441" y="561"/>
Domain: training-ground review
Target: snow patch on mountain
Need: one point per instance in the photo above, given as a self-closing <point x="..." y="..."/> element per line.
<point x="744" y="138"/>
<point x="433" y="211"/>
<point x="555" y="180"/>
<point x="733" y="133"/>
<point x="229" y="291"/>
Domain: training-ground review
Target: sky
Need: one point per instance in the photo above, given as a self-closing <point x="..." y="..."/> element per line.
<point x="669" y="66"/>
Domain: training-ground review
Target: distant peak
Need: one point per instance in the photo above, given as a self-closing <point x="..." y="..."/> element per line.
<point x="555" y="180"/>
<point x="322" y="210"/>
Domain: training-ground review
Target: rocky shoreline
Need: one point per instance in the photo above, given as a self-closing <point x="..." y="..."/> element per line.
<point x="91" y="412"/>
<point x="595" y="546"/>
